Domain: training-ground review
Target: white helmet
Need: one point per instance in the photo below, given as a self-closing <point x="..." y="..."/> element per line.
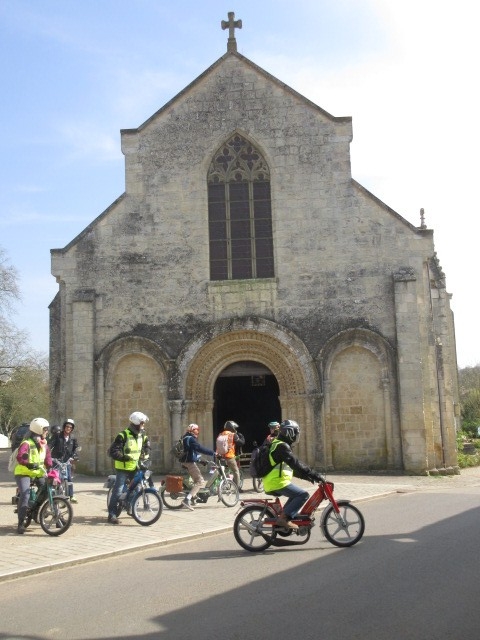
<point x="37" y="425"/>
<point x="138" y="417"/>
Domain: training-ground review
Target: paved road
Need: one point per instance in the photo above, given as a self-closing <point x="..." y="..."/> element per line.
<point x="91" y="537"/>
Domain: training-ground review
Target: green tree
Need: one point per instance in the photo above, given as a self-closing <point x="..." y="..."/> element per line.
<point x="25" y="395"/>
<point x="469" y="386"/>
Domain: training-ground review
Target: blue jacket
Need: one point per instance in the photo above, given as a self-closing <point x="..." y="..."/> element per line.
<point x="193" y="448"/>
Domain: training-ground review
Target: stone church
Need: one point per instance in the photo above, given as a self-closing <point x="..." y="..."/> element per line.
<point x="245" y="275"/>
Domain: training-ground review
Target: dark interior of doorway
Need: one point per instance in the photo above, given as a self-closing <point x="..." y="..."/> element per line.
<point x="251" y="401"/>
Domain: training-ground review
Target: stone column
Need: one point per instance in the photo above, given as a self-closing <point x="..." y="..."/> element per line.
<point x="409" y="367"/>
<point x="176" y="418"/>
<point x="81" y="404"/>
<point x="99" y="426"/>
<point x="328" y="454"/>
<point x="387" y="412"/>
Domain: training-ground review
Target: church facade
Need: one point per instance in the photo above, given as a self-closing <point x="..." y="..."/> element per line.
<point x="245" y="275"/>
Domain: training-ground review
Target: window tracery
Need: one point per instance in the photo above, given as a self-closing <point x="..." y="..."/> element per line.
<point x="239" y="213"/>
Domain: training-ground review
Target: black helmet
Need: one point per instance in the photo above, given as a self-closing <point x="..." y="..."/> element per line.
<point x="289" y="431"/>
<point x="230" y="425"/>
<point x="55" y="429"/>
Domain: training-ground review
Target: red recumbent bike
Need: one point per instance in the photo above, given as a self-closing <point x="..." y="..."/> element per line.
<point x="255" y="527"/>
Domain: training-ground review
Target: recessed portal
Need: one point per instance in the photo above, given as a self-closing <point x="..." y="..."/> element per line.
<point x="246" y="392"/>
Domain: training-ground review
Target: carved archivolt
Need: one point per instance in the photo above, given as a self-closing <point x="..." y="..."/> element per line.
<point x="287" y="359"/>
<point x="259" y="341"/>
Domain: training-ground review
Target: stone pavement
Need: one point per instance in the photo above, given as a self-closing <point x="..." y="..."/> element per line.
<point x="90" y="537"/>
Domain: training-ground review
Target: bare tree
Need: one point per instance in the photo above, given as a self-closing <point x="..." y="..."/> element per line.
<point x="9" y="289"/>
<point x="23" y="372"/>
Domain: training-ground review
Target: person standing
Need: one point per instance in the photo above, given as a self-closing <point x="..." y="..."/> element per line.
<point x="193" y="449"/>
<point x="33" y="460"/>
<point x="127" y="449"/>
<point x="235" y="439"/>
<point x="63" y="447"/>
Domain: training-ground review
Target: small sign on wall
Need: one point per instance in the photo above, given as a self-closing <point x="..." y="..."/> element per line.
<point x="258" y="381"/>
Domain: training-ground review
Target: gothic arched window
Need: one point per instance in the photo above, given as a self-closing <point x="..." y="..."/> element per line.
<point x="239" y="213"/>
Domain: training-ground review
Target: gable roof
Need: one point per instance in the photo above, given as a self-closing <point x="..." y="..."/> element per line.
<point x="253" y="66"/>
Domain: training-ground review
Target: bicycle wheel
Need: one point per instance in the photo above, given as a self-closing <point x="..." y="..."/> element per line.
<point x="173" y="500"/>
<point x="147" y="507"/>
<point x="228" y="493"/>
<point x="250" y="531"/>
<point x="28" y="519"/>
<point x="242" y="476"/>
<point x="55" y="518"/>
<point x="258" y="484"/>
<point x="345" y="528"/>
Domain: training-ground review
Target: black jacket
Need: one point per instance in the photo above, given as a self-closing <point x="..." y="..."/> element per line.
<point x="239" y="441"/>
<point x="62" y="450"/>
<point x="283" y="453"/>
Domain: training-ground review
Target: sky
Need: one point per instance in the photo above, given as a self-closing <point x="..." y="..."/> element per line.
<point x="76" y="72"/>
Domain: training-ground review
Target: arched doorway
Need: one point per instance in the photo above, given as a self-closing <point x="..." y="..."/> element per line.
<point x="262" y="343"/>
<point x="248" y="393"/>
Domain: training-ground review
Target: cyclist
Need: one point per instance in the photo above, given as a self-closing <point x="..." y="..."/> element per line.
<point x="128" y="447"/>
<point x="192" y="449"/>
<point x="278" y="481"/>
<point x="33" y="458"/>
<point x="235" y="439"/>
<point x="274" y="427"/>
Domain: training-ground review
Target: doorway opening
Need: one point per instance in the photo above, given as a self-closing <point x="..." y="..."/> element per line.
<point x="247" y="393"/>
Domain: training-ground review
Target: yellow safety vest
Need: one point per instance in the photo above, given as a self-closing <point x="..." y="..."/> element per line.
<point x="34" y="457"/>
<point x="134" y="445"/>
<point x="280" y="476"/>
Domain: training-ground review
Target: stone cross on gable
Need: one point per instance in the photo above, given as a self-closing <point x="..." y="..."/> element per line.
<point x="231" y="25"/>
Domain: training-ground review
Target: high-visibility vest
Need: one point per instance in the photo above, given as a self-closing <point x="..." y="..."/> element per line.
<point x="34" y="457"/>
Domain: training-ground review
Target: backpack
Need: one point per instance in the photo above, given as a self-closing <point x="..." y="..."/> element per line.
<point x="12" y="463"/>
<point x="178" y="451"/>
<point x="222" y="444"/>
<point x="18" y="434"/>
<point x="260" y="461"/>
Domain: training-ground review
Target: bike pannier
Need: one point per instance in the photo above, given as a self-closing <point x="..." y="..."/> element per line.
<point x="174" y="484"/>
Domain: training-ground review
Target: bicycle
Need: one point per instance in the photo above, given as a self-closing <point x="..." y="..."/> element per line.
<point x="139" y="496"/>
<point x="258" y="484"/>
<point x="255" y="527"/>
<point x="54" y="513"/>
<point x="61" y="488"/>
<point x="218" y="484"/>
